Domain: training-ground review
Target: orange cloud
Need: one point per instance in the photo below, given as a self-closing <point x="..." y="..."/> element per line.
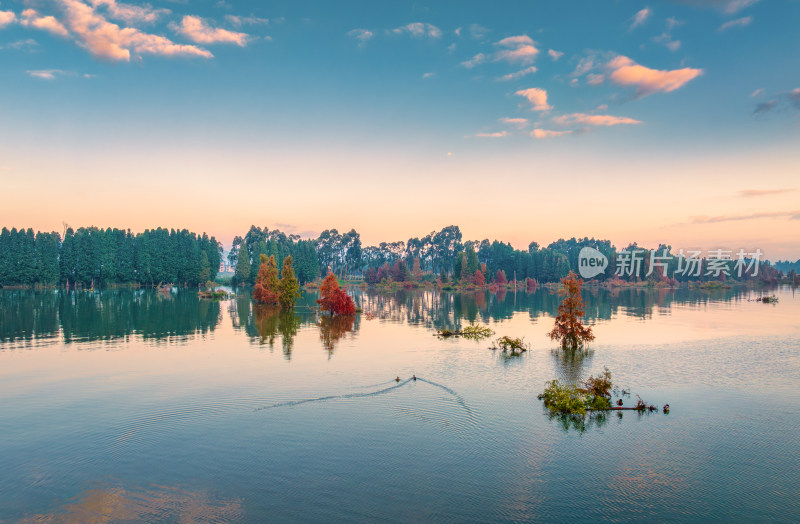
<point x="107" y="40"/>
<point x="537" y="97"/>
<point x="31" y="18"/>
<point x="593" y="120"/>
<point x="7" y="17"/>
<point x="626" y="72"/>
<point x="520" y="48"/>
<point x="198" y="31"/>
<point x="547" y="133"/>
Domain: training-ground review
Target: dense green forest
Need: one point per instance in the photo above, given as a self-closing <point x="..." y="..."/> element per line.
<point x="445" y="255"/>
<point x="95" y="257"/>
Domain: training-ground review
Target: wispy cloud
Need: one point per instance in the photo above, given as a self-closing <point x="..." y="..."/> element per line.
<point x="626" y="72"/>
<point x="428" y="75"/>
<point x="726" y="6"/>
<point x="640" y="17"/>
<point x="673" y="22"/>
<point x="757" y="92"/>
<point x="518" y="74"/>
<point x="130" y="13"/>
<point x="419" y="30"/>
<point x="497" y="134"/>
<point x="739" y="22"/>
<point x="594" y="79"/>
<point x="547" y="133"/>
<point x="475" y="60"/>
<point x="749" y="193"/>
<point x="537" y="97"/>
<point x="593" y="120"/>
<point x="705" y="219"/>
<point x="785" y="100"/>
<point x="239" y="21"/>
<point x="666" y="40"/>
<point x="26" y="43"/>
<point x="477" y="32"/>
<point x="555" y="55"/>
<point x="362" y="35"/>
<point x="765" y="107"/>
<point x="45" y="74"/>
<point x="199" y="31"/>
<point x="519" y="123"/>
<point x="516" y="49"/>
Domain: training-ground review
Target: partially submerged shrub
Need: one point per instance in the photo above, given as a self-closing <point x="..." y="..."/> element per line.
<point x="514" y="345"/>
<point x="476" y="332"/>
<point x="567" y="399"/>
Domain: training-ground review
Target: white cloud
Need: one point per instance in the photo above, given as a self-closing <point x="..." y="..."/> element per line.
<point x="419" y="30"/>
<point x="45" y="74"/>
<point x="475" y="60"/>
<point x="739" y="22"/>
<point x="518" y="74"/>
<point x="537" y="97"/>
<point x="641" y="17"/>
<point x="130" y="13"/>
<point x="428" y="75"/>
<point x="362" y="35"/>
<point x="555" y="55"/>
<point x="594" y="79"/>
<point x="239" y="21"/>
<point x="666" y="40"/>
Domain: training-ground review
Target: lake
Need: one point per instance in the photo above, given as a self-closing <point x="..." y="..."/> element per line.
<point x="140" y="405"/>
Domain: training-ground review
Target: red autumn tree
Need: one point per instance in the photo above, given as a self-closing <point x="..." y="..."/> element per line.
<point x="479" y="278"/>
<point x="568" y="327"/>
<point x="266" y="288"/>
<point x="334" y="299"/>
<point x="500" y="278"/>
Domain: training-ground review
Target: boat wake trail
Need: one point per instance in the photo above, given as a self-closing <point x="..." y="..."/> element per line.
<point x="335" y="397"/>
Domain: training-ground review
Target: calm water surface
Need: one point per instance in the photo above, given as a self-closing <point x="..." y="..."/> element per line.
<point x="134" y="405"/>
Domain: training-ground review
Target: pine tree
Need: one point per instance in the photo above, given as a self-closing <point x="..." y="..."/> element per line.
<point x="288" y="286"/>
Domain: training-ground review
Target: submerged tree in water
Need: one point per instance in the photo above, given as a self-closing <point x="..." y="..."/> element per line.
<point x="335" y="299"/>
<point x="288" y="286"/>
<point x="266" y="288"/>
<point x="568" y="328"/>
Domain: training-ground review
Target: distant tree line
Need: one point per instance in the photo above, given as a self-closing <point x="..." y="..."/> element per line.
<point x="444" y="255"/>
<point x="96" y="257"/>
<point x="101" y="256"/>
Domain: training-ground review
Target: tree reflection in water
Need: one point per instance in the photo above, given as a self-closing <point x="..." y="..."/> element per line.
<point x="271" y="321"/>
<point x="332" y="328"/>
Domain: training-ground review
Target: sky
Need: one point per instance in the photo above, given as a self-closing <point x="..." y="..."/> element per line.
<point x="671" y="122"/>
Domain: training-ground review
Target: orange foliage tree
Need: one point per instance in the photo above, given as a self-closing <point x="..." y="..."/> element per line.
<point x="334" y="299"/>
<point x="479" y="278"/>
<point x="266" y="288"/>
<point x="568" y="327"/>
<point x="500" y="278"/>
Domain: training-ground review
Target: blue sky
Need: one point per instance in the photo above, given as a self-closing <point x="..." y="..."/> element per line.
<point x="407" y="117"/>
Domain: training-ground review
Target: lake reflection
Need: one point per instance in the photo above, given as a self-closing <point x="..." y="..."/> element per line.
<point x="135" y="405"/>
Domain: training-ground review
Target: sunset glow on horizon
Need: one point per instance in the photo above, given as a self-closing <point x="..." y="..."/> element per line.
<point x="675" y="123"/>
